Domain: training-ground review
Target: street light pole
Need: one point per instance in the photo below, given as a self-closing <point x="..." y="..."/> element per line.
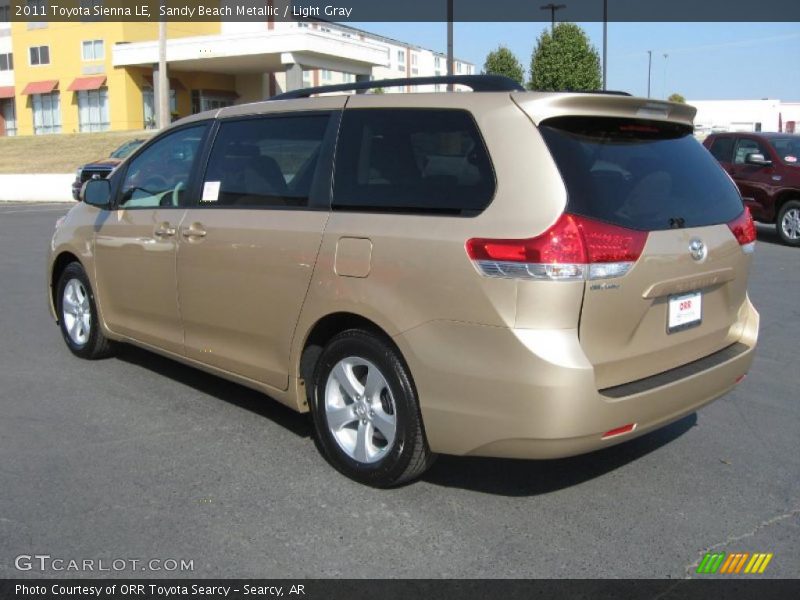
<point x="450" y="58"/>
<point x="605" y="41"/>
<point x="666" y="56"/>
<point x="163" y="81"/>
<point x="649" y="69"/>
<point x="553" y="8"/>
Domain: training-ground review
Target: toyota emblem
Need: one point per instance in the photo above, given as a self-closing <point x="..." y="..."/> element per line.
<point x="698" y="250"/>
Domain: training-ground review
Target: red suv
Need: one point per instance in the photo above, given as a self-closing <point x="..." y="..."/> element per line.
<point x="766" y="167"/>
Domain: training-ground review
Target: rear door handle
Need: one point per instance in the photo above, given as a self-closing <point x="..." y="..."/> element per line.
<point x="195" y="230"/>
<point x="164" y="230"/>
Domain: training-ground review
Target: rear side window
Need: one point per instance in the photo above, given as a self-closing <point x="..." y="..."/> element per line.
<point x="643" y="175"/>
<point x="722" y="148"/>
<point x="417" y="161"/>
<point x="264" y="162"/>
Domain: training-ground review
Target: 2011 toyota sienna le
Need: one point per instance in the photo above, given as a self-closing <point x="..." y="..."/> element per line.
<point x="497" y="273"/>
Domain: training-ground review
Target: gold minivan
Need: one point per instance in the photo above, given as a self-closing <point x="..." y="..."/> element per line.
<point x="496" y="273"/>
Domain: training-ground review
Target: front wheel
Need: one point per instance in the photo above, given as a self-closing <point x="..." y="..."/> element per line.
<point x="366" y="414"/>
<point x="77" y="315"/>
<point x="788" y="223"/>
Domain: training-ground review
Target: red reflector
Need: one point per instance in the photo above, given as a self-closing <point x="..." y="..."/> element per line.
<point x="573" y="239"/>
<point x="743" y="228"/>
<point x="620" y="430"/>
<point x="740" y="378"/>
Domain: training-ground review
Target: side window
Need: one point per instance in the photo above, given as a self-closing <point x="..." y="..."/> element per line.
<point x="414" y="160"/>
<point x="160" y="175"/>
<point x="722" y="148"/>
<point x="264" y="162"/>
<point x="746" y="146"/>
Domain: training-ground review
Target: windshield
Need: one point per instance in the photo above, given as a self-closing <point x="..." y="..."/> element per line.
<point x="645" y="175"/>
<point x="126" y="148"/>
<point x="788" y="149"/>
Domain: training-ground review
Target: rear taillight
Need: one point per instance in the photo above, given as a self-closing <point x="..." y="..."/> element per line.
<point x="744" y="230"/>
<point x="574" y="248"/>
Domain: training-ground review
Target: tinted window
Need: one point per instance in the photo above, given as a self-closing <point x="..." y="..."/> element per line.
<point x="267" y="161"/>
<point x="788" y="149"/>
<point x="722" y="148"/>
<point x="747" y="146"/>
<point x="412" y="161"/>
<point x="160" y="174"/>
<point x="640" y="174"/>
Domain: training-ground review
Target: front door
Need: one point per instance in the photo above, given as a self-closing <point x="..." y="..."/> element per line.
<point x="247" y="251"/>
<point x="136" y="243"/>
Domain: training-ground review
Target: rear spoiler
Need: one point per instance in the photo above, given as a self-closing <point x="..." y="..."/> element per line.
<point x="542" y="106"/>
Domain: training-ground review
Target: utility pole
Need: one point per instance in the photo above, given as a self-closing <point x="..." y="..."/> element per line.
<point x="553" y="8"/>
<point x="450" y="59"/>
<point x="163" y="80"/>
<point x="605" y="41"/>
<point x="649" y="69"/>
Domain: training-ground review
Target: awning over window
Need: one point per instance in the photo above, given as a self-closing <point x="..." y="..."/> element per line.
<point x="174" y="83"/>
<point x="6" y="92"/>
<point x="82" y="84"/>
<point x="40" y="87"/>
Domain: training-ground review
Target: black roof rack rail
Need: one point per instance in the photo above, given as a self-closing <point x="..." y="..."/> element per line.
<point x="478" y="83"/>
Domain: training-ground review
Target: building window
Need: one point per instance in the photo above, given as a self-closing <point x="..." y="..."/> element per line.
<point x="9" y="115"/>
<point x="326" y="75"/>
<point x="437" y="62"/>
<point x="40" y="55"/>
<point x="93" y="50"/>
<point x="148" y="100"/>
<point x="7" y="62"/>
<point x="46" y="113"/>
<point x="93" y="110"/>
<point x="306" y="78"/>
<point x="401" y="57"/>
<point x="458" y="67"/>
<point x="5" y="13"/>
<point x="413" y="59"/>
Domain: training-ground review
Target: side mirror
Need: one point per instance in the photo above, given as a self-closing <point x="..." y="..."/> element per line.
<point x="97" y="192"/>
<point x="758" y="159"/>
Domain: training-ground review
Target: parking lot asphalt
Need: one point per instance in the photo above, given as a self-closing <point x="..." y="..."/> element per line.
<point x="138" y="457"/>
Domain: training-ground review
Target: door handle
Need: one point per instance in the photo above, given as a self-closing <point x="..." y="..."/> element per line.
<point x="195" y="230"/>
<point x="164" y="230"/>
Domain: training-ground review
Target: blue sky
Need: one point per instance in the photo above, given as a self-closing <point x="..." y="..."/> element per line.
<point x="705" y="60"/>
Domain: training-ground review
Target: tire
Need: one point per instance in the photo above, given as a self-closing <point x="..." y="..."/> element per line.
<point x="366" y="413"/>
<point x="788" y="223"/>
<point x="77" y="315"/>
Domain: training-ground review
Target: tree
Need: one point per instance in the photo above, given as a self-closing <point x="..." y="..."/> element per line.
<point x="676" y="97"/>
<point x="565" y="61"/>
<point x="503" y="62"/>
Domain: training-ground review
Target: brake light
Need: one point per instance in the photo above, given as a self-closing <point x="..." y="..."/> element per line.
<point x="574" y="248"/>
<point x="744" y="230"/>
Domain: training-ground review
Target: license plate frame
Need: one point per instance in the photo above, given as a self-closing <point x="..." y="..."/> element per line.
<point x="681" y="317"/>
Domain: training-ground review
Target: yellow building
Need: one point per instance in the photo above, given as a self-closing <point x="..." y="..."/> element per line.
<point x="84" y="76"/>
<point x="65" y="80"/>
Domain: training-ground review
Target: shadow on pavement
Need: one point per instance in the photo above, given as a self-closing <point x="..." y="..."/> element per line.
<point x="767" y="234"/>
<point x="508" y="477"/>
<point x="230" y="392"/>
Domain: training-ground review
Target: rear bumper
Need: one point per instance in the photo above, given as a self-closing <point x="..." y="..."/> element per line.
<point x="493" y="391"/>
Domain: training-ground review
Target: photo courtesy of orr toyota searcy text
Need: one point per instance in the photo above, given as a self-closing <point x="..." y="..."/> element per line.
<point x="160" y="591"/>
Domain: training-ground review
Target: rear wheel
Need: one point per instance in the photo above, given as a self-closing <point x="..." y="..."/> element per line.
<point x="788" y="223"/>
<point x="365" y="411"/>
<point x="77" y="315"/>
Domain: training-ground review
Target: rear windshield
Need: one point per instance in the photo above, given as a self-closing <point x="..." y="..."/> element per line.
<point x="640" y="174"/>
